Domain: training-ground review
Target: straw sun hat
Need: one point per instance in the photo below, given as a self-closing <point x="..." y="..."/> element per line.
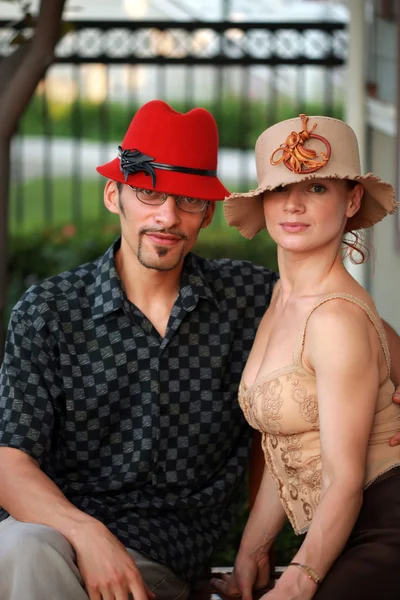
<point x="308" y="148"/>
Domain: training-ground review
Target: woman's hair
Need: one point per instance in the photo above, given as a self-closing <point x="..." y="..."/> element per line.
<point x="355" y="249"/>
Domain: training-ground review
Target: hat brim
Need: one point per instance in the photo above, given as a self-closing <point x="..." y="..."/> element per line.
<point x="245" y="210"/>
<point x="180" y="184"/>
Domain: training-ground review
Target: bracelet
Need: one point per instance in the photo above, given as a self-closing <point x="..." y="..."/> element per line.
<point x="311" y="574"/>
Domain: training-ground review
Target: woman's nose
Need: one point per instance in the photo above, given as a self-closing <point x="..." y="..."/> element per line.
<point x="293" y="200"/>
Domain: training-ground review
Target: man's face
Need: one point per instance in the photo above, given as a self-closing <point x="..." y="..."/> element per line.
<point x="159" y="236"/>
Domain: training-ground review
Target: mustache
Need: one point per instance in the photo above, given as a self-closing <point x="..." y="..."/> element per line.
<point x="175" y="232"/>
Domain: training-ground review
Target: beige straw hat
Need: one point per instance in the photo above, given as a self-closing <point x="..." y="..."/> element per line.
<point x="307" y="148"/>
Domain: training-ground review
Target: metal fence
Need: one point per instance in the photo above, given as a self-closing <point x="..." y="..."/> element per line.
<point x="248" y="74"/>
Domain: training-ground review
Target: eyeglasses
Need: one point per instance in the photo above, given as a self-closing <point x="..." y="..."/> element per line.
<point x="190" y="205"/>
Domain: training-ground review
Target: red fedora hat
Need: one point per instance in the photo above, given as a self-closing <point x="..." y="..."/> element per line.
<point x="169" y="151"/>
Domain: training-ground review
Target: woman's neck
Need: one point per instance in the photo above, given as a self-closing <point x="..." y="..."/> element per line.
<point x="309" y="274"/>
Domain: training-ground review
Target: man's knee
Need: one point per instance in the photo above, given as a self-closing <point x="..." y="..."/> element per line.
<point x="24" y="544"/>
<point x="37" y="562"/>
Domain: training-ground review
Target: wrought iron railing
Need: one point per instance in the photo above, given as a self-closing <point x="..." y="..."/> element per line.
<point x="248" y="74"/>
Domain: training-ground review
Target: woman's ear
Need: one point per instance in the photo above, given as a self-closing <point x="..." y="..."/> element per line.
<point x="354" y="200"/>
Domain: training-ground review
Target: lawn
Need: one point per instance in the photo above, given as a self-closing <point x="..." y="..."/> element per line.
<point x="37" y="204"/>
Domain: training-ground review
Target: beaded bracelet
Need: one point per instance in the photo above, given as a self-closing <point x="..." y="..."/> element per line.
<point x="311" y="574"/>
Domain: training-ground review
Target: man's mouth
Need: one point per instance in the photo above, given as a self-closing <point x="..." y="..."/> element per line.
<point x="163" y="239"/>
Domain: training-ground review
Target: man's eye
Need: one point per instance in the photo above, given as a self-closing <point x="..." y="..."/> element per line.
<point x="191" y="201"/>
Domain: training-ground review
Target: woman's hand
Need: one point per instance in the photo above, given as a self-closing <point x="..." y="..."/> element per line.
<point x="301" y="589"/>
<point x="277" y="594"/>
<point x="249" y="573"/>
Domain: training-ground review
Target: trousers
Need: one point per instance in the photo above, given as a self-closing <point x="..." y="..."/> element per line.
<point x="368" y="567"/>
<point x="38" y="563"/>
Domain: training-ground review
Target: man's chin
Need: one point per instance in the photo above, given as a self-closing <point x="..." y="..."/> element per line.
<point x="167" y="262"/>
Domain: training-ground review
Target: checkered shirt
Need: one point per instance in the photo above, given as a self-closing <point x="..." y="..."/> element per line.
<point x="142" y="432"/>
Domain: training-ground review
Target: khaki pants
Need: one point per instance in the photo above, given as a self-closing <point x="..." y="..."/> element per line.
<point x="38" y="563"/>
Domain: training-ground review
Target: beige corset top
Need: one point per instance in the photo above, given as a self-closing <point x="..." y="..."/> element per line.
<point x="283" y="405"/>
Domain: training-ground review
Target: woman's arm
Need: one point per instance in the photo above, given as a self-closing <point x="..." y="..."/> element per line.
<point x="266" y="519"/>
<point x="342" y="348"/>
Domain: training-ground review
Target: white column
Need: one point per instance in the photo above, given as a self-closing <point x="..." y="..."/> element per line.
<point x="355" y="98"/>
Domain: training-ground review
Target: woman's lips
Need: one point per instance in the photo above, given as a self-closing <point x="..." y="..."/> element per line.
<point x="295" y="227"/>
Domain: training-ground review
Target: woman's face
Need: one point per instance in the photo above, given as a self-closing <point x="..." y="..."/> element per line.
<point x="304" y="216"/>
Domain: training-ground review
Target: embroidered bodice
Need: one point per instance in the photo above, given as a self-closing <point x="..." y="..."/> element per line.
<point x="283" y="406"/>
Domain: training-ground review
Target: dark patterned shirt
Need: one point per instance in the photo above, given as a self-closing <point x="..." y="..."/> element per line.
<point x="142" y="432"/>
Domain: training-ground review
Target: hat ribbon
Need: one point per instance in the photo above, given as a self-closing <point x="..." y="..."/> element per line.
<point x="296" y="157"/>
<point x="134" y="161"/>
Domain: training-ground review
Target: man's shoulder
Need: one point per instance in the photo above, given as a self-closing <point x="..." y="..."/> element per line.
<point x="237" y="270"/>
<point x="59" y="290"/>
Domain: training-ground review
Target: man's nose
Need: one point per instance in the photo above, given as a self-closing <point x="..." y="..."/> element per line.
<point x="168" y="213"/>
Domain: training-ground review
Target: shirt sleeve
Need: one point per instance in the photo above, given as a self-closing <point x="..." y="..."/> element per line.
<point x="27" y="384"/>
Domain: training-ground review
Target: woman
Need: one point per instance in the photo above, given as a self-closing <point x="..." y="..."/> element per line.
<point x="317" y="382"/>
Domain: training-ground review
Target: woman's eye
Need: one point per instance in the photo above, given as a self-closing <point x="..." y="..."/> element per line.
<point x="318" y="188"/>
<point x="280" y="188"/>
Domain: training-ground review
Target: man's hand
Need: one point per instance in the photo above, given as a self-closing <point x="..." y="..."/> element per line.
<point x="248" y="574"/>
<point x="396" y="438"/>
<point x="108" y="571"/>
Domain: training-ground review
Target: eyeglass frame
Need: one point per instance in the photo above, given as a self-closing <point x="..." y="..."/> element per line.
<point x="164" y="197"/>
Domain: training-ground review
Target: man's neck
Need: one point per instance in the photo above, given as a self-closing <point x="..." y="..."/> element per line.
<point x="154" y="292"/>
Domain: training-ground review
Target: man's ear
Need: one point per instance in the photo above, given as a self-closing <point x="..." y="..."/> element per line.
<point x="355" y="198"/>
<point x="209" y="215"/>
<point x="111" y="196"/>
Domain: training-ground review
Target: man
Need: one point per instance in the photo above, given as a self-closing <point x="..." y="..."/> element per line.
<point x="122" y="443"/>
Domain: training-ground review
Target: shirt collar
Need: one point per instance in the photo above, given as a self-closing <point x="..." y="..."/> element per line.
<point x="109" y="295"/>
<point x="194" y="284"/>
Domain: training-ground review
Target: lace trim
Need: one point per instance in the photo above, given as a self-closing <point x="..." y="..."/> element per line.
<point x="264" y="378"/>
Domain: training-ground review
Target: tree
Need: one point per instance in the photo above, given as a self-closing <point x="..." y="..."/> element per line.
<point x="20" y="74"/>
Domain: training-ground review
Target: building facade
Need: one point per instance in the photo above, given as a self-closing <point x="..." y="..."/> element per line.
<point x="382" y="83"/>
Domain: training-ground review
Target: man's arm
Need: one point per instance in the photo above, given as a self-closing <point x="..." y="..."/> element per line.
<point x="394" y="348"/>
<point x="27" y="409"/>
<point x="31" y="497"/>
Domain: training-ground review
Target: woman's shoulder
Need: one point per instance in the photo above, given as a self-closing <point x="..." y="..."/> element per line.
<point x="349" y="300"/>
<point x="345" y="324"/>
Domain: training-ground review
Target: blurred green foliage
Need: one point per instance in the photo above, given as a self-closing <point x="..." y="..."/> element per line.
<point x="239" y="122"/>
<point x="69" y="202"/>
